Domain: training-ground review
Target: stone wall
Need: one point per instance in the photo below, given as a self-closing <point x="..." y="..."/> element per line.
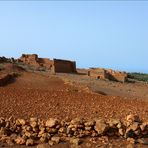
<point x="31" y="59"/>
<point x="56" y="65"/>
<point x="99" y="73"/>
<point x="53" y="131"/>
<point x="119" y="76"/>
<point x="109" y="74"/>
<point x="64" y="66"/>
<point x="45" y="62"/>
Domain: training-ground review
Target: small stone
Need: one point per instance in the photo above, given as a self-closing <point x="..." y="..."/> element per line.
<point x="10" y="142"/>
<point x="29" y="142"/>
<point x="20" y="122"/>
<point x="62" y="130"/>
<point x="119" y="125"/>
<point x="20" y="140"/>
<point x="88" y="128"/>
<point x="77" y="121"/>
<point x="113" y="122"/>
<point x="143" y="141"/>
<point x="134" y="126"/>
<point x="2" y="122"/>
<point x="51" y="130"/>
<point x="131" y="140"/>
<point x="33" y="124"/>
<point x="121" y="131"/>
<point x="43" y="139"/>
<point x="132" y="118"/>
<point x="29" y="128"/>
<point x="75" y="141"/>
<point x="100" y="126"/>
<point x="27" y="134"/>
<point x="143" y="126"/>
<point x="33" y="119"/>
<point x="89" y="123"/>
<point x="51" y="122"/>
<point x="55" y="139"/>
<point x="51" y="143"/>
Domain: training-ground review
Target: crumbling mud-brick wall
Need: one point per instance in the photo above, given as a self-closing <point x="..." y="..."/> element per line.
<point x="118" y="76"/>
<point x="34" y="60"/>
<point x="31" y="59"/>
<point x="109" y="74"/>
<point x="99" y="73"/>
<point x="45" y="62"/>
<point x="55" y="65"/>
<point x="64" y="66"/>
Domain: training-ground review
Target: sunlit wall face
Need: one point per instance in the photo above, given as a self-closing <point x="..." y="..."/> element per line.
<point x="107" y="34"/>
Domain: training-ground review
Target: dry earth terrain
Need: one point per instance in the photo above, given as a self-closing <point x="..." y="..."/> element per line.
<point x="43" y="95"/>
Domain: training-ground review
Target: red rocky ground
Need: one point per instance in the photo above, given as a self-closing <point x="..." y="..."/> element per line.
<point x="48" y="96"/>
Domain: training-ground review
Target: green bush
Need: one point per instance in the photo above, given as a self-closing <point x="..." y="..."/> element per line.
<point x="138" y="76"/>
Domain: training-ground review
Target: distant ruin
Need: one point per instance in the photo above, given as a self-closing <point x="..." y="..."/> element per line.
<point x="101" y="73"/>
<point x="64" y="66"/>
<point x="55" y="65"/>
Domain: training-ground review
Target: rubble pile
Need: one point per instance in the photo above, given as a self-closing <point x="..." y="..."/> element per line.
<point x="53" y="131"/>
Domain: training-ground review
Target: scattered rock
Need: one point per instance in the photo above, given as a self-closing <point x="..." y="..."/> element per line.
<point x="56" y="140"/>
<point x="51" y="143"/>
<point x="20" y="141"/>
<point x="142" y="141"/>
<point x="100" y="126"/>
<point x="132" y="118"/>
<point x="134" y="126"/>
<point x="10" y="142"/>
<point x="33" y="124"/>
<point x="22" y="132"/>
<point x="75" y="141"/>
<point x="51" y="122"/>
<point x="29" y="142"/>
<point x="20" y="122"/>
<point x="131" y="140"/>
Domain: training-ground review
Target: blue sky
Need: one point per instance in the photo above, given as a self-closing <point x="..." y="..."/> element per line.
<point x="108" y="34"/>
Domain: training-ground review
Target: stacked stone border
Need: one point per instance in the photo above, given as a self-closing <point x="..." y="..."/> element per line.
<point x="53" y="131"/>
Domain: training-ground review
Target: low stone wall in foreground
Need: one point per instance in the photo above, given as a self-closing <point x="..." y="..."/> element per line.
<point x="53" y="131"/>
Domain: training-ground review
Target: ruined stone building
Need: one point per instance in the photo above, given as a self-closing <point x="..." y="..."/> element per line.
<point x="55" y="65"/>
<point x="31" y="59"/>
<point x="64" y="66"/>
<point x="109" y="74"/>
